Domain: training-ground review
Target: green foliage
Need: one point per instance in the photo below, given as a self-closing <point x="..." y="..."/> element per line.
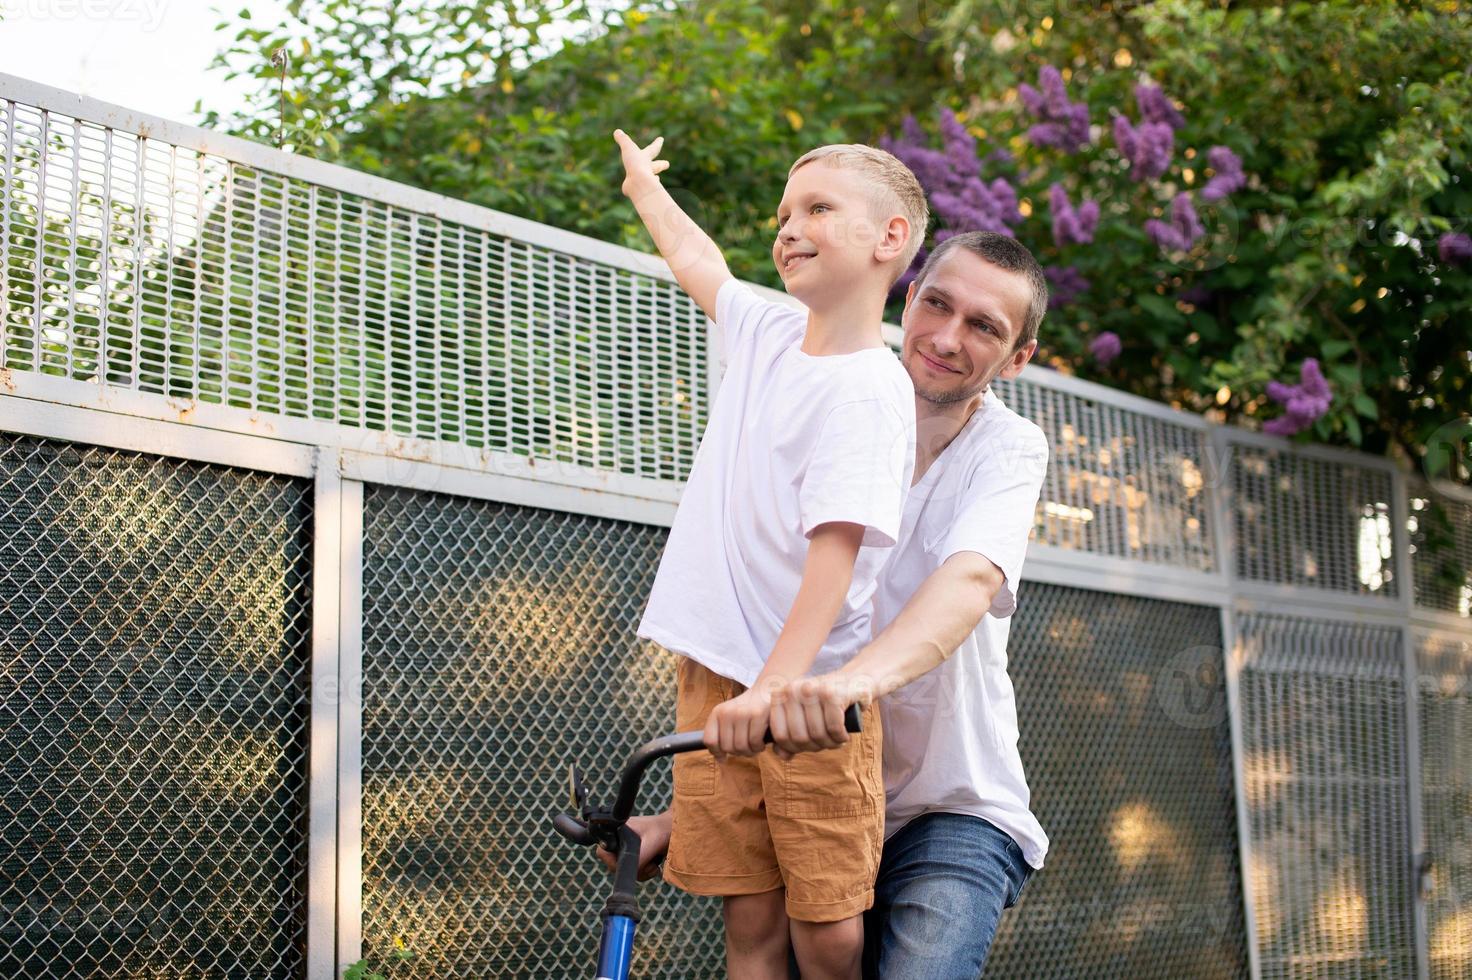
<point x="738" y="89"/>
<point x="1352" y="119"/>
<point x="1355" y="121"/>
<point x="361" y="969"/>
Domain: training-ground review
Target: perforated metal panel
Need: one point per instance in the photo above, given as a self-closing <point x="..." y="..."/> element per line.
<point x="1128" y="755"/>
<point x="159" y="268"/>
<point x="498" y="647"/>
<point x="154" y="631"/>
<point x="1440" y="531"/>
<point x="1445" y="669"/>
<point x="1324" y="723"/>
<point x="1312" y="523"/>
<point x="1119" y="483"/>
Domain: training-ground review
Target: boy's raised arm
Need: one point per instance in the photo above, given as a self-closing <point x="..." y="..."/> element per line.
<point x="695" y="260"/>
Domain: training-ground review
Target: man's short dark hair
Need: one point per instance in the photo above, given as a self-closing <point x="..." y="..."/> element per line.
<point x="1005" y="253"/>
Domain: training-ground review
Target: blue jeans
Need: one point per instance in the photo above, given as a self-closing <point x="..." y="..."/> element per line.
<point x="943" y="882"/>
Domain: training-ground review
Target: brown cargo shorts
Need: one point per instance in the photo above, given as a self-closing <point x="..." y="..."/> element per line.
<point x="813" y="825"/>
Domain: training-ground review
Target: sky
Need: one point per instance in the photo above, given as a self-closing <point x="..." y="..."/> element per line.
<point x="147" y="55"/>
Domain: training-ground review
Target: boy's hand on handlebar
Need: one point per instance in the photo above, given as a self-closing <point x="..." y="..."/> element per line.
<point x="738" y="726"/>
<point x="807" y="715"/>
<point x="654" y="841"/>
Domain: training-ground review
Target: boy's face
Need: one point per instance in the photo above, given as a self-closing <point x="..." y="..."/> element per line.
<point x="961" y="327"/>
<point x="826" y="234"/>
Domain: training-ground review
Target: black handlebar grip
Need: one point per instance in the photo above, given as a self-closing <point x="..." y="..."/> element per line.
<point x="572" y="828"/>
<point x="852" y="722"/>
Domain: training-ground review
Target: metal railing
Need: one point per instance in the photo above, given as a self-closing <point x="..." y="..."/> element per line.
<point x="472" y="430"/>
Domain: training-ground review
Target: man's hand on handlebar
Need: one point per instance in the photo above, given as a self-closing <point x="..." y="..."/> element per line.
<point x="654" y="841"/>
<point x="807" y="715"/>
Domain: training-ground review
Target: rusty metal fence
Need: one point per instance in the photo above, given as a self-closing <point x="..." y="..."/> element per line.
<point x="327" y="508"/>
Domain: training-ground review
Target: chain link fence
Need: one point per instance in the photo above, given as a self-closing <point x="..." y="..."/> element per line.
<point x="498" y="647"/>
<point x="1129" y="760"/>
<point x="153" y="641"/>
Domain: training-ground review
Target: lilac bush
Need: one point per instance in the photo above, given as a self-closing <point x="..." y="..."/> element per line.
<point x="1116" y="226"/>
<point x="1184" y="229"/>
<point x="1156" y="107"/>
<point x="1072" y="225"/>
<point x="952" y="178"/>
<point x="1305" y="402"/>
<point x="1066" y="284"/>
<point x="1455" y="248"/>
<point x="1106" y="347"/>
<point x="1148" y="147"/>
<point x="1229" y="177"/>
<point x="1061" y="123"/>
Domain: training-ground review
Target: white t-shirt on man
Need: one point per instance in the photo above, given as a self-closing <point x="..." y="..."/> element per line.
<point x="793" y="441"/>
<point x="950" y="736"/>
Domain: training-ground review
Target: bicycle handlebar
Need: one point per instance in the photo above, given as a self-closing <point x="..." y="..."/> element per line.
<point x="628" y="788"/>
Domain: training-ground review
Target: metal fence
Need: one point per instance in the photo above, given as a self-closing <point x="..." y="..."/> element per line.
<point x="327" y="508"/>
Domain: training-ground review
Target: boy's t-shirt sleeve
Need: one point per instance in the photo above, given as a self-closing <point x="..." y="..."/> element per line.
<point x="740" y="313"/>
<point x="857" y="472"/>
<point x="995" y="515"/>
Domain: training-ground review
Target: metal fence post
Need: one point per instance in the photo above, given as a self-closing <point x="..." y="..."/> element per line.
<point x="1400" y="545"/>
<point x="350" y="731"/>
<point x="322" y="766"/>
<point x="1219" y="488"/>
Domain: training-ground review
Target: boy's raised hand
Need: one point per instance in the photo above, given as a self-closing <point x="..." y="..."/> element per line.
<point x="642" y="166"/>
<point x="695" y="260"/>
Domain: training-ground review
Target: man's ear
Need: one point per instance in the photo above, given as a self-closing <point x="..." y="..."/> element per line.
<point x="1018" y="360"/>
<point x="909" y="299"/>
<point x="893" y="238"/>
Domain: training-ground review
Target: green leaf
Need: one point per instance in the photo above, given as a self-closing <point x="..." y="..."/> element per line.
<point x="1332" y="350"/>
<point x="1366" y="406"/>
<point x="1352" y="429"/>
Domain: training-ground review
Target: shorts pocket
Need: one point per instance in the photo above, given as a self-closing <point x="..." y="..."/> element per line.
<point x="695" y="774"/>
<point x="842" y="782"/>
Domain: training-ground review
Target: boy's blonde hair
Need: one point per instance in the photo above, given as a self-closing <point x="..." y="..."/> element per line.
<point x="896" y="188"/>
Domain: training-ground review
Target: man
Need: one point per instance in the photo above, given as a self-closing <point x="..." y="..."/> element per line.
<point x="960" y="841"/>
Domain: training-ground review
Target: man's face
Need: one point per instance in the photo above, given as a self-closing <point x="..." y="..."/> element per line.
<point x="826" y="233"/>
<point x="961" y="328"/>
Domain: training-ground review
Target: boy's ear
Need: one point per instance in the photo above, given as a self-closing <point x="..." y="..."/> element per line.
<point x="893" y="237"/>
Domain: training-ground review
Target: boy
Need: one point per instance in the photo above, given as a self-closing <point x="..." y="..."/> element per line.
<point x="797" y="490"/>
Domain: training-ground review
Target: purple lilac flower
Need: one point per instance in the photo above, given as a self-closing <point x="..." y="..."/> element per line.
<point x="952" y="179"/>
<point x="1070" y="224"/>
<point x="1148" y="147"/>
<point x="1229" y="177"/>
<point x="929" y="166"/>
<point x="1155" y="107"/>
<point x="1455" y="248"/>
<point x="1184" y="228"/>
<point x="960" y="150"/>
<point x="979" y="207"/>
<point x="1067" y="285"/>
<point x="1305" y="402"/>
<point x="1105" y="347"/>
<point x="1061" y="123"/>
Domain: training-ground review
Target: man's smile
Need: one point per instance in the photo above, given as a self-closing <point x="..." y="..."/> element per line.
<point x="937" y="365"/>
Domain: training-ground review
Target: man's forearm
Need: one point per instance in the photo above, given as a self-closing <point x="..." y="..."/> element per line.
<point x="939" y="616"/>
